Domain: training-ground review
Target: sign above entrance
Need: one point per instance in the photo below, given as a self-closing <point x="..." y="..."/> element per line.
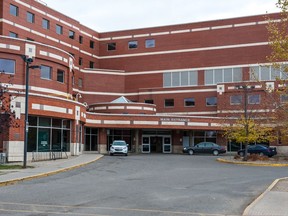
<point x="175" y="119"/>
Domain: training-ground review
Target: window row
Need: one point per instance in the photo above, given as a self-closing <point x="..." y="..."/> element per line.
<point x="46" y="73"/>
<point x="251" y="99"/>
<point x="30" y="17"/>
<point x="183" y="78"/>
<point x="260" y="73"/>
<point x="188" y="102"/>
<point x="223" y="75"/>
<point x="149" y="43"/>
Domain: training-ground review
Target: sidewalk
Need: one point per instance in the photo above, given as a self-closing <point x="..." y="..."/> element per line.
<point x="273" y="202"/>
<point x="46" y="168"/>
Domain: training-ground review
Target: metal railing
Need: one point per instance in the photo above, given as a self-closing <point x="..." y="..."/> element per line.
<point x="49" y="155"/>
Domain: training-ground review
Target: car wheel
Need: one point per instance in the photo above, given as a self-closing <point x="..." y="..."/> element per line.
<point x="126" y="154"/>
<point x="190" y="152"/>
<point x="241" y="154"/>
<point x="261" y="154"/>
<point x="215" y="152"/>
<point x="111" y="154"/>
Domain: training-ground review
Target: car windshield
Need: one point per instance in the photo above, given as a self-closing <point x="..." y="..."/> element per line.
<point x="119" y="143"/>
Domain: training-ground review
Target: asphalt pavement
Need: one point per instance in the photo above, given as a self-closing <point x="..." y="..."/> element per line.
<point x="273" y="202"/>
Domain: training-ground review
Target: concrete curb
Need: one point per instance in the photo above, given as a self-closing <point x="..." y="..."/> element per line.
<point x="249" y="207"/>
<point x="15" y="181"/>
<point x="251" y="163"/>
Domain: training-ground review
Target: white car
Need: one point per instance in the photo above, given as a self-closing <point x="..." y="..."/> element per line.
<point x="119" y="147"/>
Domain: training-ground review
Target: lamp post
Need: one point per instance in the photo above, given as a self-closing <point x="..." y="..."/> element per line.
<point x="28" y="61"/>
<point x="246" y="88"/>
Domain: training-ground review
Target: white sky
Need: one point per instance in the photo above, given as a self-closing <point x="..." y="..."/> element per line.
<point x="112" y="15"/>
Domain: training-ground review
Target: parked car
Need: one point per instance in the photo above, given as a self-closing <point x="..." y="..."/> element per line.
<point x="206" y="148"/>
<point x="259" y="149"/>
<point x="119" y="147"/>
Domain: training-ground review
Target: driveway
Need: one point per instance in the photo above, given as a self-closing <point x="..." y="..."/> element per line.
<point x="155" y="184"/>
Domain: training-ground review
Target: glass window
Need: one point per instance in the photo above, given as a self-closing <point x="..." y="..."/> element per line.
<point x="91" y="64"/>
<point x="284" y="98"/>
<point x="189" y="102"/>
<point x="59" y="29"/>
<point x="80" y="61"/>
<point x="71" y="34"/>
<point x="111" y="46"/>
<point x="30" y="17"/>
<point x="132" y="44"/>
<point x="237" y="74"/>
<point x="254" y="99"/>
<point x="235" y="99"/>
<point x="211" y="101"/>
<point x="60" y="76"/>
<point x="193" y="75"/>
<point x="218" y="76"/>
<point x="92" y="44"/>
<point x="149" y="43"/>
<point x="169" y="102"/>
<point x="167" y="79"/>
<point x="46" y="72"/>
<point x="80" y="39"/>
<point x="7" y="66"/>
<point x="44" y="121"/>
<point x="176" y="79"/>
<point x="254" y="73"/>
<point x="149" y="101"/>
<point x="12" y="34"/>
<point x="184" y="78"/>
<point x="45" y="24"/>
<point x="14" y="10"/>
<point x="209" y="77"/>
<point x="80" y="82"/>
<point x="265" y="73"/>
<point x="228" y="76"/>
<point x="275" y="73"/>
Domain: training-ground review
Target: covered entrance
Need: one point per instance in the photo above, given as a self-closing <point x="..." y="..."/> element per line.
<point x="156" y="142"/>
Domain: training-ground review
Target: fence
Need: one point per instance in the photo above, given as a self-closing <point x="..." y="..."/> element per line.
<point x="49" y="155"/>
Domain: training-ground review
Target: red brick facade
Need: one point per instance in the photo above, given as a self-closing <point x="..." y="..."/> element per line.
<point x="95" y="76"/>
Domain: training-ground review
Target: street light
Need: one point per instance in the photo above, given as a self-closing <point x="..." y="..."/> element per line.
<point x="246" y="88"/>
<point x="28" y="61"/>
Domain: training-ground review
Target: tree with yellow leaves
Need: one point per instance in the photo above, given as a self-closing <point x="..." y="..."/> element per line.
<point x="278" y="41"/>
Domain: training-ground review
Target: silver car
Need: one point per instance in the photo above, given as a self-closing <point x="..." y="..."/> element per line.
<point x="119" y="147"/>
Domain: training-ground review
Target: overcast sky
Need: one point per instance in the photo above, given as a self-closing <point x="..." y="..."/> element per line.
<point x="112" y="15"/>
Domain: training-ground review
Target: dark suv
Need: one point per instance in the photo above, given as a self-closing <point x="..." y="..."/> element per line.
<point x="206" y="148"/>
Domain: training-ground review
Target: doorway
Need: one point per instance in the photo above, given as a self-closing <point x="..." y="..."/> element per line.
<point x="156" y="144"/>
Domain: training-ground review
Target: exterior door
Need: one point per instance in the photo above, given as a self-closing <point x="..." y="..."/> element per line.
<point x="145" y="144"/>
<point x="167" y="145"/>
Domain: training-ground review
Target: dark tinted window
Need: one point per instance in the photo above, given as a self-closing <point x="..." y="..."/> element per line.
<point x="71" y="34"/>
<point x="169" y="102"/>
<point x="111" y="46"/>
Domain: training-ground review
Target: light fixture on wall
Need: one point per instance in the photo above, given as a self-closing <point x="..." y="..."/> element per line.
<point x="78" y="96"/>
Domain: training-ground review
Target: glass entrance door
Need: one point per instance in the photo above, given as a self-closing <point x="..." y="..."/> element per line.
<point x="167" y="146"/>
<point x="145" y="144"/>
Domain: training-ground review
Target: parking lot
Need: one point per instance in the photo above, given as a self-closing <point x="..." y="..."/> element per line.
<point x="154" y="184"/>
